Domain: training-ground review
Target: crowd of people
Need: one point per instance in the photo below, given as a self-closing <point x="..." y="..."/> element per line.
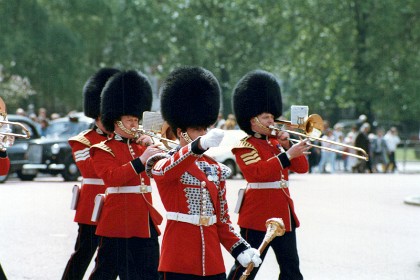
<point x="380" y="148"/>
<point x="41" y="119"/>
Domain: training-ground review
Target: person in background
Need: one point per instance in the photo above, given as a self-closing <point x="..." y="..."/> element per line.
<point x="192" y="186"/>
<point x="265" y="161"/>
<point x="350" y="162"/>
<point x="220" y="121"/>
<point x="327" y="156"/>
<point x="392" y="140"/>
<point x="362" y="141"/>
<point x="87" y="241"/>
<point x="128" y="223"/>
<point x="20" y="112"/>
<point x="230" y="123"/>
<point x="379" y="151"/>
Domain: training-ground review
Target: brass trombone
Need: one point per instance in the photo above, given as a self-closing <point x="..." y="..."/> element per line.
<point x="163" y="140"/>
<point x="313" y="126"/>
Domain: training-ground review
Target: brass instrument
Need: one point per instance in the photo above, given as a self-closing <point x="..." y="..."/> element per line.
<point x="26" y="134"/>
<point x="152" y="134"/>
<point x="154" y="126"/>
<point x="275" y="227"/>
<point x="313" y="126"/>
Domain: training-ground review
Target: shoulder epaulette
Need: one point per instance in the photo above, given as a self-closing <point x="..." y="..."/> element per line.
<point x="243" y="143"/>
<point x="250" y="157"/>
<point x="81" y="138"/>
<point x="103" y="147"/>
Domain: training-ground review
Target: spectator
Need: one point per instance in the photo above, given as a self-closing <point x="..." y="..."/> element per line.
<point x="392" y="140"/>
<point x="362" y="141"/>
<point x="350" y="162"/>
<point x="220" y="121"/>
<point x="44" y="125"/>
<point x="379" y="151"/>
<point x="55" y="116"/>
<point x="230" y="123"/>
<point x="42" y="114"/>
<point x="327" y="156"/>
<point x="20" y="112"/>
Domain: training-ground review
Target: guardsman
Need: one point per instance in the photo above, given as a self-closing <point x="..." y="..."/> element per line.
<point x="128" y="222"/>
<point x="83" y="199"/>
<point x="265" y="161"/>
<point x="4" y="159"/>
<point x="191" y="185"/>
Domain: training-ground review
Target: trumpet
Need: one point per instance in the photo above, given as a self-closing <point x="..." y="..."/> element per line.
<point x="312" y="127"/>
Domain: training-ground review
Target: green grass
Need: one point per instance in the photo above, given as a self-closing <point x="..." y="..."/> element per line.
<point x="410" y="154"/>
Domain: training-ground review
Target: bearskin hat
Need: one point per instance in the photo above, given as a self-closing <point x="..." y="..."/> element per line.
<point x="257" y="92"/>
<point x="92" y="91"/>
<point x="190" y="97"/>
<point x="126" y="93"/>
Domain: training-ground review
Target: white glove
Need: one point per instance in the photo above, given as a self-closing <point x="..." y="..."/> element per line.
<point x="212" y="138"/>
<point x="248" y="256"/>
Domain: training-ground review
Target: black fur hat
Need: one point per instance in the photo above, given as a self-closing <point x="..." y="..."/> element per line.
<point x="126" y="93"/>
<point x="257" y="92"/>
<point x="190" y="97"/>
<point x="92" y="91"/>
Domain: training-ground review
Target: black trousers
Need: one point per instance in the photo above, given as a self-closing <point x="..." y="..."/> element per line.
<point x="129" y="258"/>
<point x="180" y="276"/>
<point x="86" y="245"/>
<point x="2" y="275"/>
<point x="284" y="248"/>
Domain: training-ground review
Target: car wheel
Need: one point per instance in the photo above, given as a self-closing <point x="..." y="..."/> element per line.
<point x="3" y="178"/>
<point x="231" y="164"/>
<point x="25" y="177"/>
<point x="71" y="172"/>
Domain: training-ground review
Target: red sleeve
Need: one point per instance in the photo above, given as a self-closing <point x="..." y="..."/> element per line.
<point x="4" y="164"/>
<point x="299" y="164"/>
<point x="82" y="159"/>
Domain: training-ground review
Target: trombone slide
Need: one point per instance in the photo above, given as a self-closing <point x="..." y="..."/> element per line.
<point x="364" y="155"/>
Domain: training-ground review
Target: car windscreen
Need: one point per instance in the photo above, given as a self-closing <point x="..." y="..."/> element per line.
<point x="65" y="129"/>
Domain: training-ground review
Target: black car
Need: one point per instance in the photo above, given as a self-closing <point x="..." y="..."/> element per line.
<point x="17" y="152"/>
<point x="52" y="154"/>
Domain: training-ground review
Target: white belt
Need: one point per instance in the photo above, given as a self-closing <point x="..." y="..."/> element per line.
<point x="269" y="185"/>
<point x="192" y="219"/>
<point x="92" y="181"/>
<point x="129" y="189"/>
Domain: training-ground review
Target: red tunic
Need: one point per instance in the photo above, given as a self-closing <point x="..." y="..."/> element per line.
<point x="4" y="165"/>
<point x="80" y="146"/>
<point x="259" y="162"/>
<point x="123" y="215"/>
<point x="184" y="187"/>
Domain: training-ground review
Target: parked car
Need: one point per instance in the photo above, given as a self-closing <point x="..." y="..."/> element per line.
<point x="16" y="153"/>
<point x="52" y="154"/>
<point x="223" y="153"/>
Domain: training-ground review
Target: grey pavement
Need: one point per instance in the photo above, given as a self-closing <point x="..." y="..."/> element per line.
<point x="353" y="226"/>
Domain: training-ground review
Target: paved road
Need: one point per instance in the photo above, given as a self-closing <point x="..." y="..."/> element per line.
<point x="353" y="227"/>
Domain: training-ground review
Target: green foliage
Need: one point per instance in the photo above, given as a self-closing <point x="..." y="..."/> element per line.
<point x="341" y="58"/>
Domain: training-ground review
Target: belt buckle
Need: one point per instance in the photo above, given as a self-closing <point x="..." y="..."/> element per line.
<point x="143" y="189"/>
<point x="204" y="220"/>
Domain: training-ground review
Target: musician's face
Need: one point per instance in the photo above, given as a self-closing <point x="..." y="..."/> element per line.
<point x="261" y="123"/>
<point x="195" y="132"/>
<point x="130" y="123"/>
